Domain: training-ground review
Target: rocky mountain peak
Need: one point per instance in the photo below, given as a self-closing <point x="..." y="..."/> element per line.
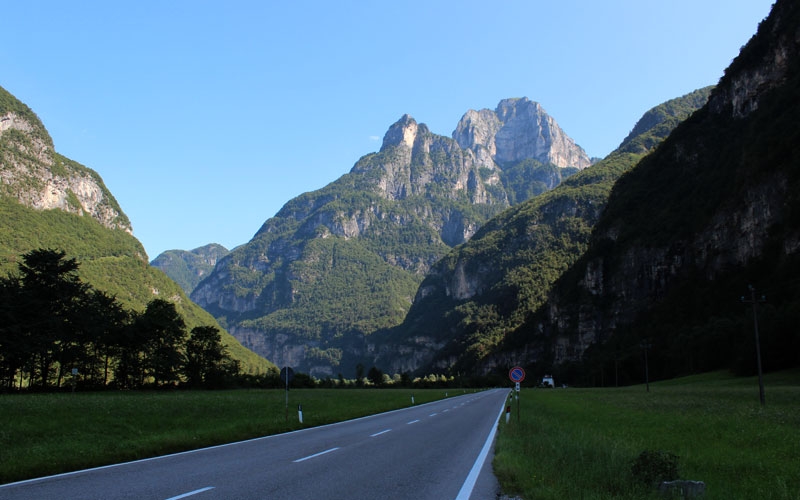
<point x="516" y="130"/>
<point x="403" y="131"/>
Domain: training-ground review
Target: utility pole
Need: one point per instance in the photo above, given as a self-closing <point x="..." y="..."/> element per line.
<point x="752" y="300"/>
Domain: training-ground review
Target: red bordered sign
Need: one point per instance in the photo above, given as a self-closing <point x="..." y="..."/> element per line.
<point x="516" y="374"/>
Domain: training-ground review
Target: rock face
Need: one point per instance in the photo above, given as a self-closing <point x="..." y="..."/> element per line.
<point x="337" y="264"/>
<point x="417" y="162"/>
<point x="34" y="174"/>
<point x="713" y="205"/>
<point x="517" y="130"/>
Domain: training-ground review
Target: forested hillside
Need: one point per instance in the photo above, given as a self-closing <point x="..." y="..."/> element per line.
<point x="189" y="267"/>
<point x="48" y="201"/>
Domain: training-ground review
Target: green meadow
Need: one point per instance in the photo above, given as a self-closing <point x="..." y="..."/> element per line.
<point x="563" y="443"/>
<point x="44" y="434"/>
<point x="582" y="443"/>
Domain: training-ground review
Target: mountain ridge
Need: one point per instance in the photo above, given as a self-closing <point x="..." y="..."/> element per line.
<point x="486" y="287"/>
<point x="375" y="231"/>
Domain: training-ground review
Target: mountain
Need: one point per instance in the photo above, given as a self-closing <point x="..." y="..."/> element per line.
<point x="710" y="213"/>
<point x="518" y="130"/>
<point x="336" y="264"/>
<point x="188" y="268"/>
<point x="38" y="177"/>
<point x="488" y="286"/>
<point x="50" y="201"/>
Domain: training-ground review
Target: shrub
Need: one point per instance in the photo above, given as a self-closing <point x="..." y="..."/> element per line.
<point x="654" y="467"/>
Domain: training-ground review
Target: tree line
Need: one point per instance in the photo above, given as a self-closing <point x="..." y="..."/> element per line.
<point x="56" y="332"/>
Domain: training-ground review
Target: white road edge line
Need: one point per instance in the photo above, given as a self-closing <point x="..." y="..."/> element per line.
<point x="472" y="477"/>
<point x="195" y="492"/>
<point x="379" y="433"/>
<point x="315" y="455"/>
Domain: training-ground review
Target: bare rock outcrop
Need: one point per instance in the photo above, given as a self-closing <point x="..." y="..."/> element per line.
<point x="517" y="130"/>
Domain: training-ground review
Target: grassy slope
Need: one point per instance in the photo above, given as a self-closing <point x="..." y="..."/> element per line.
<point x="110" y="260"/>
<point x="580" y="443"/>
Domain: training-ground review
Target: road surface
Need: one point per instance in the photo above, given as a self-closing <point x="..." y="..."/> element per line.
<point x="436" y="451"/>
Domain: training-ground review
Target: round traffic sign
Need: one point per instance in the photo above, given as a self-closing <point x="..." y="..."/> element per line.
<point x="287" y="374"/>
<point x="516" y="374"/>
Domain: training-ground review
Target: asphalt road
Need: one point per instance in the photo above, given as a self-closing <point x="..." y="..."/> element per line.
<point x="431" y="451"/>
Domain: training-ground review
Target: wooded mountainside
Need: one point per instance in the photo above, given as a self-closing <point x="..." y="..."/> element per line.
<point x="48" y="201"/>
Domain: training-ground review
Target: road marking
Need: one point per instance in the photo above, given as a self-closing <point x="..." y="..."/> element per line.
<point x="379" y="433"/>
<point x="197" y="450"/>
<point x="472" y="477"/>
<point x="315" y="455"/>
<point x="412" y="422"/>
<point x="445" y="410"/>
<point x="433" y="414"/>
<point x="195" y="492"/>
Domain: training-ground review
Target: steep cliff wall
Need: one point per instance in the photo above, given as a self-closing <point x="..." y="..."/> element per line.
<point x="34" y="174"/>
<point x="714" y="206"/>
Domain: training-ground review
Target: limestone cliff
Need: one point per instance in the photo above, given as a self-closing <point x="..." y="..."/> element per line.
<point x="517" y="130"/>
<point x="34" y="174"/>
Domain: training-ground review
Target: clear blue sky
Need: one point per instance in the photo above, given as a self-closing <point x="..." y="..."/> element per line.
<point x="204" y="118"/>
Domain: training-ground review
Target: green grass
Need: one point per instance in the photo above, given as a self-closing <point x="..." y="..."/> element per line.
<point x="44" y="434"/>
<point x="581" y="443"/>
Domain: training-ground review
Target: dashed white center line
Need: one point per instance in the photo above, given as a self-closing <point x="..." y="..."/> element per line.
<point x="412" y="422"/>
<point x="379" y="433"/>
<point x="433" y="414"/>
<point x="315" y="455"/>
<point x="195" y="492"/>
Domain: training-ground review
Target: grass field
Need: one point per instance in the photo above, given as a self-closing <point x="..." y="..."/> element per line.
<point x="581" y="443"/>
<point x="44" y="434"/>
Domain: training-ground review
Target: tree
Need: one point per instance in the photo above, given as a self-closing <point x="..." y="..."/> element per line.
<point x="164" y="332"/>
<point x="104" y="321"/>
<point x="207" y="359"/>
<point x="48" y="311"/>
<point x="359" y="374"/>
<point x="375" y="376"/>
<point x="14" y="351"/>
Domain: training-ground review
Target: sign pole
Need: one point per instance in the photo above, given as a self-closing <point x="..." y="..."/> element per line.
<point x="517" y="375"/>
<point x="286" y="393"/>
<point x="287" y="374"/>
